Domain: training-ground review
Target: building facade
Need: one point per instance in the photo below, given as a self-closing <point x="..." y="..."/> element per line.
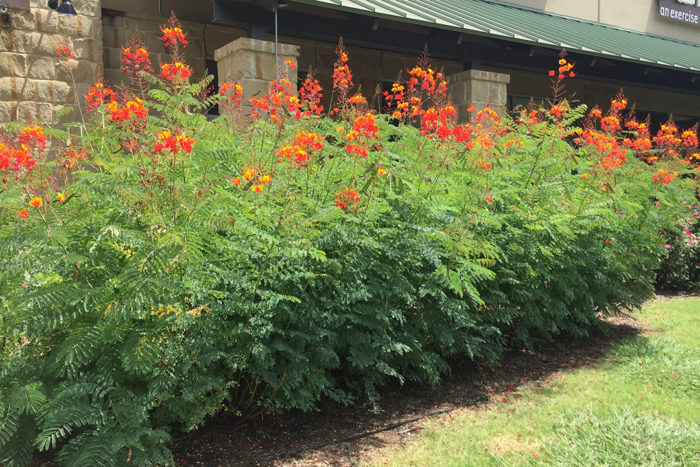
<point x="494" y="52"/>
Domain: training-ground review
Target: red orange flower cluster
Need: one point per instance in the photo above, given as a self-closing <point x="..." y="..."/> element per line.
<point x="358" y="99"/>
<point x="73" y="156"/>
<point x="428" y="80"/>
<point x="235" y="95"/>
<point x="346" y="199"/>
<point x="303" y="145"/>
<point x="64" y="52"/>
<point x="439" y="122"/>
<point x="133" y="108"/>
<point x="135" y="59"/>
<point x="280" y="100"/>
<point x="254" y="176"/>
<point x="173" y="35"/>
<point x="173" y="142"/>
<point x="564" y="70"/>
<point x="342" y="76"/>
<point x="99" y="94"/>
<point x="19" y="160"/>
<point x="364" y="129"/>
<point x="310" y="93"/>
<point x="175" y="72"/>
<point x="663" y="176"/>
<point x="397" y="96"/>
<point x="32" y="138"/>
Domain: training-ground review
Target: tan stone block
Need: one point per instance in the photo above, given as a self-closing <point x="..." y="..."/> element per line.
<point x="88" y="49"/>
<point x="42" y="68"/>
<point x="35" y="111"/>
<point x="11" y="88"/>
<point x="55" y="92"/>
<point x="8" y="111"/>
<point x="12" y="64"/>
<point x="79" y="26"/>
<point x="22" y="19"/>
<point x="45" y="20"/>
<point x="88" y="7"/>
<point x="253" y="88"/>
<point x="45" y="44"/>
<point x="15" y="41"/>
<point x="84" y="71"/>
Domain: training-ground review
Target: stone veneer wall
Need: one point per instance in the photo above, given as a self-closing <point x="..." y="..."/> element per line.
<point x="119" y="28"/>
<point x="34" y="86"/>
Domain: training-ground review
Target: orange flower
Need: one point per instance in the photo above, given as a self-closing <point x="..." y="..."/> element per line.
<point x="248" y="174"/>
<point x="291" y="64"/>
<point x="64" y="51"/>
<point x="32" y="137"/>
<point x="346" y="197"/>
<point x="236" y="181"/>
<point x="176" y="71"/>
<point x="135" y="56"/>
<point x="99" y="94"/>
<point x="257" y="188"/>
<point x="36" y="202"/>
<point x="342" y="76"/>
<point x="381" y="171"/>
<point x="264" y="179"/>
<point x="172" y="33"/>
<point x="174" y="143"/>
<point x="61" y="197"/>
<point x="358" y="99"/>
<point x="23" y="214"/>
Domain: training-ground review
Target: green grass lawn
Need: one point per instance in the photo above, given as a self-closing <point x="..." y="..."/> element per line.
<point x="640" y="405"/>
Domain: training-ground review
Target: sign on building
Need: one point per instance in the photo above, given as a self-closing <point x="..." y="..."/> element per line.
<point x="685" y="11"/>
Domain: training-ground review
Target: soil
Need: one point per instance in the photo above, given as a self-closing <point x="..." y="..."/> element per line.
<point x="339" y="436"/>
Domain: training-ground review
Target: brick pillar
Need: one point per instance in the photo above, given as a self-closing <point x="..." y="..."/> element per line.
<point x="480" y="89"/>
<point x="34" y="85"/>
<point x="251" y="63"/>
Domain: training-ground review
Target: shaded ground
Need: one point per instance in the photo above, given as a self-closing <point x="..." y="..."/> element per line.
<point x="339" y="436"/>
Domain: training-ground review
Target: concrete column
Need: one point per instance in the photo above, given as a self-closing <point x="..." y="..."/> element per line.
<point x="480" y="89"/>
<point x="251" y="63"/>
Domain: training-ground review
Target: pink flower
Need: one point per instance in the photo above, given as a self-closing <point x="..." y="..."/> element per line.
<point x="668" y="247"/>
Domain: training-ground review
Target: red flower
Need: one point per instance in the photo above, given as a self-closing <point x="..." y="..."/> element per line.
<point x="342" y="76"/>
<point x="99" y="94"/>
<point x="310" y="93"/>
<point x="32" y="138"/>
<point x="173" y="34"/>
<point x="173" y="143"/>
<point x="176" y="71"/>
<point x="64" y="52"/>
<point x="347" y="197"/>
<point x="135" y="56"/>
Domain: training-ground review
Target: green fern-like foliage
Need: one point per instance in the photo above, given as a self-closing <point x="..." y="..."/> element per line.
<point x="176" y="282"/>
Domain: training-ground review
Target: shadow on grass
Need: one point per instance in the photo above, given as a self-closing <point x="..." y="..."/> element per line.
<point x="338" y="435"/>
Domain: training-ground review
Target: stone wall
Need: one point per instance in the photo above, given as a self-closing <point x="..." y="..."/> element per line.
<point x="118" y="29"/>
<point x="34" y="83"/>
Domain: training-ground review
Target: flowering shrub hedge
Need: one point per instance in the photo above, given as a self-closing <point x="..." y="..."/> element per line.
<point x="162" y="268"/>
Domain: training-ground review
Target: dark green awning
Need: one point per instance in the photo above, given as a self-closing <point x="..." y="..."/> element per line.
<point x="525" y="25"/>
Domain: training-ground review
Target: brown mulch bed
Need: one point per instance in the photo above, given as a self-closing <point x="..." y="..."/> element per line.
<point x="339" y="436"/>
